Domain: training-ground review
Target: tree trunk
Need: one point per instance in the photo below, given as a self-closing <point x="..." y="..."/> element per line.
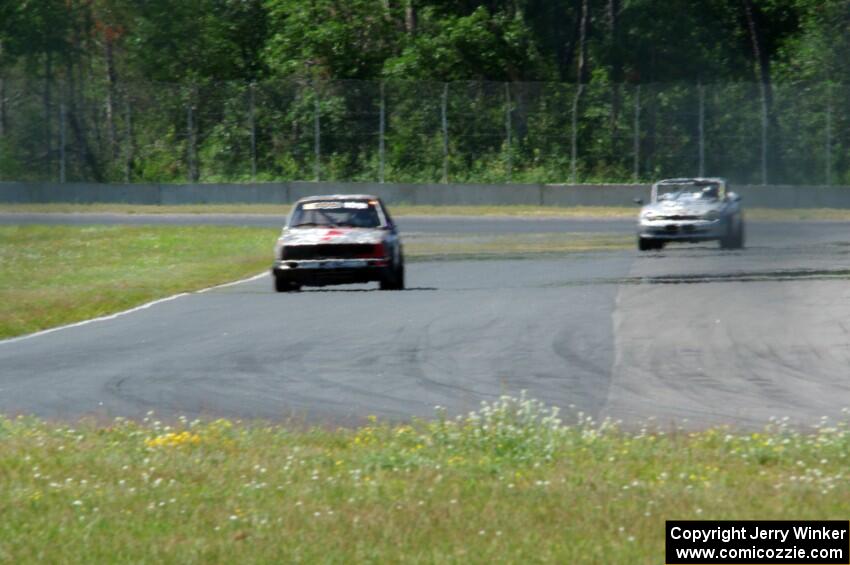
<point x="111" y="83"/>
<point x="128" y="143"/>
<point x="765" y="85"/>
<point x="616" y="65"/>
<point x="47" y="101"/>
<point x="76" y="119"/>
<point x="567" y="51"/>
<point x="3" y="112"/>
<point x="409" y="17"/>
<point x="582" y="71"/>
<point x="581" y="74"/>
<point x="650" y="115"/>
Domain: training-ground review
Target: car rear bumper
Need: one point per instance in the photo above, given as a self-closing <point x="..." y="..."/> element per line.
<point x="331" y="271"/>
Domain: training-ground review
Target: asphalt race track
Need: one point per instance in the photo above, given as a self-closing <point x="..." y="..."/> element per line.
<point x="691" y="335"/>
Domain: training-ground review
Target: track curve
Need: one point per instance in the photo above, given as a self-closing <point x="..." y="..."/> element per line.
<point x="688" y="333"/>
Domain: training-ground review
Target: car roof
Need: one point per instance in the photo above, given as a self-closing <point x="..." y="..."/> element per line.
<point x="338" y="197"/>
<point x="692" y="180"/>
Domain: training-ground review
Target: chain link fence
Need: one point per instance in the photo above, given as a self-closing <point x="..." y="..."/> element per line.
<point x="397" y="131"/>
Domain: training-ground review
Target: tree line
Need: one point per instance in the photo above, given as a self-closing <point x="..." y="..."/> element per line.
<point x="123" y="89"/>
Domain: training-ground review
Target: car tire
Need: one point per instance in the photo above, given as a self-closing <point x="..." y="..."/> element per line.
<point x="727" y="239"/>
<point x="740" y="236"/>
<point x="282" y="284"/>
<point x="734" y="238"/>
<point x="645" y="244"/>
<point x="394" y="279"/>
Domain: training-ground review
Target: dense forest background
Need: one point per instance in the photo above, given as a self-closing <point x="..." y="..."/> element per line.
<point x="425" y="90"/>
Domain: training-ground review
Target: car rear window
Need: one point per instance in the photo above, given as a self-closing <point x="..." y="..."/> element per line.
<point x="336" y="213"/>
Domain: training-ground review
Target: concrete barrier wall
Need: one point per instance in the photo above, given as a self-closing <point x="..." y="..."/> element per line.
<point x="423" y="194"/>
<point x="79" y="193"/>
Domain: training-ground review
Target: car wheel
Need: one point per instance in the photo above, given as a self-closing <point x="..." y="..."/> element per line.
<point x="645" y="244"/>
<point x="728" y="239"/>
<point x="282" y="284"/>
<point x="734" y="238"/>
<point x="394" y="279"/>
<point x="740" y="236"/>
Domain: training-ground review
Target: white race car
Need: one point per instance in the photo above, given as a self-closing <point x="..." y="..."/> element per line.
<point x="691" y="210"/>
<point x="338" y="239"/>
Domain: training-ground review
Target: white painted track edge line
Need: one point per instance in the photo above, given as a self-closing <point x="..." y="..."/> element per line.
<point x="115" y="315"/>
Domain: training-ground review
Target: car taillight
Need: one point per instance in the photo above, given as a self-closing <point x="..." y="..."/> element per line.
<point x="379" y="251"/>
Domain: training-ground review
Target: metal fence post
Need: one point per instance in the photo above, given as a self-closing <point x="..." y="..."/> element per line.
<point x="574" y="135"/>
<point x="191" y="149"/>
<point x="62" y="142"/>
<point x="381" y="130"/>
<point x="636" y="149"/>
<point x="829" y="134"/>
<point x="701" y="91"/>
<point x="764" y="127"/>
<point x="129" y="150"/>
<point x="317" y="135"/>
<point x="508" y="110"/>
<point x="445" y="133"/>
<point x="251" y="110"/>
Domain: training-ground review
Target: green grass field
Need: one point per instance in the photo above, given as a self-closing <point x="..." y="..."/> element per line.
<point x="54" y="275"/>
<point x="508" y="483"/>
<point x="601" y="212"/>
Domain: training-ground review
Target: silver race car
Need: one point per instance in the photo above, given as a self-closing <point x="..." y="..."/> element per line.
<point x="338" y="239"/>
<point x="691" y="210"/>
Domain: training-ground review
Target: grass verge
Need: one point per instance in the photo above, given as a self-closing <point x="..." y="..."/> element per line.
<point x="54" y="275"/>
<point x="589" y="212"/>
<point x="464" y="246"/>
<point x="508" y="483"/>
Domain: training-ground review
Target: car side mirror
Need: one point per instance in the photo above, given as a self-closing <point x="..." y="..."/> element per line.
<point x="638" y="201"/>
<point x="734" y="196"/>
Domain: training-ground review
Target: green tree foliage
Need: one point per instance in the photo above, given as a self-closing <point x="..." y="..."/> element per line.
<point x="197" y="40"/>
<point x="494" y="40"/>
<point x="477" y="46"/>
<point x="123" y="89"/>
<point x="344" y="39"/>
<point x="818" y="51"/>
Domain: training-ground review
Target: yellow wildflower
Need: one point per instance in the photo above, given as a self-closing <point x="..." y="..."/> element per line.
<point x="172" y="439"/>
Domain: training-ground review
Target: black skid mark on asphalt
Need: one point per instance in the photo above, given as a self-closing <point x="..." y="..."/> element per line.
<point x="786" y="275"/>
<point x="530" y="256"/>
<point x="690" y="251"/>
<point x="781" y="275"/>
